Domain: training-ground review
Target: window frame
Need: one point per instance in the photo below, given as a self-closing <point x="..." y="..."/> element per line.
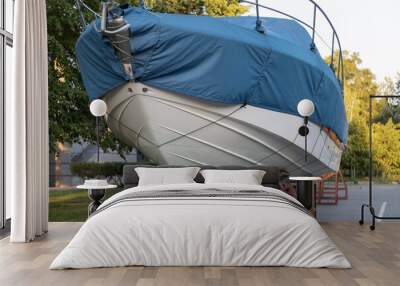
<point x="6" y="39"/>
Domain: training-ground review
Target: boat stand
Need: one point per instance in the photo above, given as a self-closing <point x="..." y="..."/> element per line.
<point x="369" y="205"/>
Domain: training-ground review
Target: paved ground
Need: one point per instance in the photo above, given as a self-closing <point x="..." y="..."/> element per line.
<point x="386" y="200"/>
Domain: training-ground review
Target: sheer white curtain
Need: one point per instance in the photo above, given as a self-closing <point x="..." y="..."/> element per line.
<point x="27" y="124"/>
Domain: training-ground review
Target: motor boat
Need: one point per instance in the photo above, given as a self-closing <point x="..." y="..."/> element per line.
<point x="186" y="89"/>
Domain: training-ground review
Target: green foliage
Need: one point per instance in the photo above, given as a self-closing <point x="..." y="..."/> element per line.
<point x="386" y="152"/>
<point x="355" y="158"/>
<point x="112" y="171"/>
<point x="390" y="108"/>
<point x="69" y="118"/>
<point x="224" y="8"/>
<point x="359" y="84"/>
<point x="196" y="7"/>
<point x="68" y="106"/>
<point x="386" y="130"/>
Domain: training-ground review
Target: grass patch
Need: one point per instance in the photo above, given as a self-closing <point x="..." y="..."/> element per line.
<point x="71" y="205"/>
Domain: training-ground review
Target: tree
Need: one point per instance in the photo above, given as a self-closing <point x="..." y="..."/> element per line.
<point x="389" y="108"/>
<point x="355" y="158"/>
<point x="386" y="152"/>
<point x="224" y="8"/>
<point x="197" y="7"/>
<point x="69" y="118"/>
<point x="359" y="84"/>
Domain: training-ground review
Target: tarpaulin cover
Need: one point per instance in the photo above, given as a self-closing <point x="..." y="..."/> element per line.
<point x="218" y="59"/>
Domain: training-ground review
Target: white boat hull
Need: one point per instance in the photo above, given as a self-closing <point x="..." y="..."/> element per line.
<point x="173" y="129"/>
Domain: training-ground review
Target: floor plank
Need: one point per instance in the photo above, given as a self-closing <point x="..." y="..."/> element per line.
<point x="375" y="257"/>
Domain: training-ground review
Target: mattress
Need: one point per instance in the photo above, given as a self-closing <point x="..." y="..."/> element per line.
<point x="201" y="225"/>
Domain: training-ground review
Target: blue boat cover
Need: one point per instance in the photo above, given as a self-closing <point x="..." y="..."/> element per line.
<point x="218" y="59"/>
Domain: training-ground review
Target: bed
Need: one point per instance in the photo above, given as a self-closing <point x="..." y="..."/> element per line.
<point x="201" y="224"/>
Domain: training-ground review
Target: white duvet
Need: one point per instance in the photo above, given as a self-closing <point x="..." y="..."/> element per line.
<point x="200" y="231"/>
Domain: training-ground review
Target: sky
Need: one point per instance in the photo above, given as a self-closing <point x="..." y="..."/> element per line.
<point x="370" y="27"/>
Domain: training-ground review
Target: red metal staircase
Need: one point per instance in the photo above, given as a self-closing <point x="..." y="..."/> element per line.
<point x="331" y="189"/>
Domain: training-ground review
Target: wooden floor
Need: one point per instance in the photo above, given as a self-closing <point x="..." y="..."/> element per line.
<point x="375" y="257"/>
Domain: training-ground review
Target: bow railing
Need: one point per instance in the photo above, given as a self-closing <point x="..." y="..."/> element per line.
<point x="337" y="67"/>
<point x="336" y="64"/>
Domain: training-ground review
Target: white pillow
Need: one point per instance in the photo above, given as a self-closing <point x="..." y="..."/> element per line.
<point x="165" y="176"/>
<point x="247" y="177"/>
